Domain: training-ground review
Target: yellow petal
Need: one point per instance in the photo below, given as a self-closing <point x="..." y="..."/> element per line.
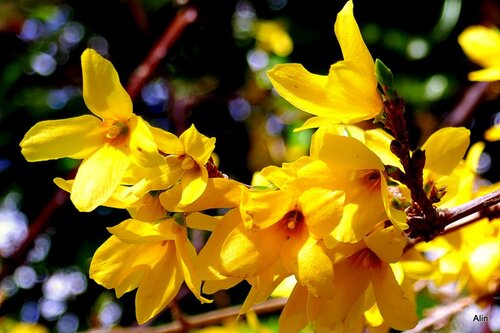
<point x="198" y="146"/>
<point x="193" y="184"/>
<point x="167" y="142"/>
<point x="135" y="231"/>
<point x="322" y="210"/>
<point x="485" y="75"/>
<point x="350" y="39"/>
<point x="246" y="253"/>
<point x="143" y="149"/>
<point x="208" y="260"/>
<point x="398" y="311"/>
<point x="76" y="137"/>
<point x="348" y="153"/>
<point x="201" y="221"/>
<point x="445" y="148"/>
<point x="102" y="90"/>
<point x="388" y="243"/>
<point x="97" y="177"/>
<point x="293" y="317"/>
<point x="302" y="89"/>
<point x="316" y="122"/>
<point x="475" y="152"/>
<point x="481" y="45"/>
<point x="159" y="286"/>
<point x="186" y="256"/>
<point x="213" y="286"/>
<point x="352" y="88"/>
<point x="219" y="193"/>
<point x="397" y="217"/>
<point x="261" y="209"/>
<point x="379" y="141"/>
<point x="122" y="266"/>
<point x="310" y="264"/>
<point x="262" y="287"/>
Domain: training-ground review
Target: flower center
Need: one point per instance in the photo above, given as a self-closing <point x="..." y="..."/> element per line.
<point x="293" y="219"/>
<point x="368" y="258"/>
<point x="188" y="163"/>
<point x="116" y="131"/>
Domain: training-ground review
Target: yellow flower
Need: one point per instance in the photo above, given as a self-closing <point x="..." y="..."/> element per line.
<point x="482" y="45"/>
<point x="360" y="173"/>
<point x="364" y="276"/>
<point x="272" y="36"/>
<point x="154" y="258"/>
<point x="348" y="94"/>
<point x="492" y="133"/>
<point x="107" y="142"/>
<point x="287" y="228"/>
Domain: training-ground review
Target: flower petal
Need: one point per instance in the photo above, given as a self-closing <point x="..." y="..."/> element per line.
<point x="481" y="45"/>
<point x="193" y="184"/>
<point x="102" y="90"/>
<point x="167" y="142"/>
<point x="261" y="209"/>
<point x="219" y="193"/>
<point x="135" y="231"/>
<point x="76" y="137"/>
<point x="485" y="75"/>
<point x="352" y="89"/>
<point x="143" y="149"/>
<point x="350" y="39"/>
<point x="445" y="148"/>
<point x="313" y="269"/>
<point x="293" y="317"/>
<point x="197" y="145"/>
<point x="322" y="210"/>
<point x="388" y="243"/>
<point x="347" y="153"/>
<point x="246" y="253"/>
<point x="186" y="256"/>
<point x="159" y="286"/>
<point x="302" y="89"/>
<point x="122" y="266"/>
<point x="398" y="311"/>
<point x="97" y="177"/>
<point x="208" y="260"/>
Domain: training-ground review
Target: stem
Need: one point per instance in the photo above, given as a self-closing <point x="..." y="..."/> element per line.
<point x="462" y="113"/>
<point x="441" y="315"/>
<point x="201" y="320"/>
<point x="137" y="80"/>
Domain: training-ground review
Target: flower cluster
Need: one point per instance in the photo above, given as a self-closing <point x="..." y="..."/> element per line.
<point x="335" y="221"/>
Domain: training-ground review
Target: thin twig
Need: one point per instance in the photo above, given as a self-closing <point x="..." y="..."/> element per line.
<point x="137" y="80"/>
<point x="464" y="110"/>
<point x="201" y="320"/>
<point x="441" y="315"/>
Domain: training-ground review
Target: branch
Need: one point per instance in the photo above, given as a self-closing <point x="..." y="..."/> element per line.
<point x="460" y="216"/>
<point x="462" y="113"/>
<point x="201" y="320"/>
<point x="440" y="315"/>
<point x="139" y="77"/>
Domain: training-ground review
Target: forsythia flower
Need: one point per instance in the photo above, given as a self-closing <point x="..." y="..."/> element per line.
<point x="155" y="258"/>
<point x="272" y="36"/>
<point x="348" y="94"/>
<point x="482" y="45"/>
<point x="107" y="142"/>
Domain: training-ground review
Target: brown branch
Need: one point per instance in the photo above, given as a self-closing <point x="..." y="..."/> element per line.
<point x="201" y="320"/>
<point x="139" y="77"/>
<point x="464" y="110"/>
<point x="463" y="215"/>
<point x="440" y="315"/>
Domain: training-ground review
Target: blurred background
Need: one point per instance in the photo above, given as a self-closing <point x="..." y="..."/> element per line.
<point x="213" y="75"/>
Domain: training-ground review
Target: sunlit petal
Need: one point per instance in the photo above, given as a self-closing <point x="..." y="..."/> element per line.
<point x="485" y="75"/>
<point x="445" y="148"/>
<point x="398" y="311"/>
<point x="193" y="184"/>
<point x="293" y="317"/>
<point x="102" y="90"/>
<point x="481" y="45"/>
<point x="97" y="177"/>
<point x="198" y="146"/>
<point x="143" y="149"/>
<point x="76" y="137"/>
<point x="159" y="286"/>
